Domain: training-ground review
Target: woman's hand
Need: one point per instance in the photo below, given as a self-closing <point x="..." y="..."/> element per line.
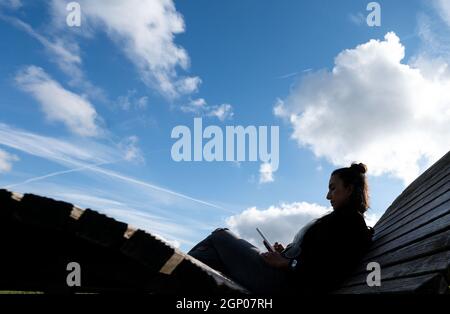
<point x="278" y="247"/>
<point x="275" y="259"/>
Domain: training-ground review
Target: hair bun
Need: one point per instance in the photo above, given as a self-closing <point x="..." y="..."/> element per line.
<point x="361" y="168"/>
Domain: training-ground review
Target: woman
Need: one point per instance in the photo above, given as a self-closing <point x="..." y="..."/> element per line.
<point x="321" y="255"/>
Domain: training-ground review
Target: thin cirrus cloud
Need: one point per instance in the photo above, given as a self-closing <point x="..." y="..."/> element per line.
<point x="443" y="9"/>
<point x="357" y="18"/>
<point x="144" y="30"/>
<point x="84" y="156"/>
<point x="372" y="107"/>
<point x="60" y="151"/>
<point x="131" y="150"/>
<point x="67" y="55"/>
<point x="12" y="4"/>
<point x="131" y="101"/>
<point x="200" y="107"/>
<point x="58" y="103"/>
<point x="62" y="51"/>
<point x="434" y="30"/>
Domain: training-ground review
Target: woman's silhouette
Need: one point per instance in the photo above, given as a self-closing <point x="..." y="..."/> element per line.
<point x="321" y="255"/>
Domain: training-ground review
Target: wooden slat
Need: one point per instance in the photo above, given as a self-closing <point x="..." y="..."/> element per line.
<point x="439" y="189"/>
<point x="439" y="225"/>
<point x="424" y="220"/>
<point x="413" y="207"/>
<point x="159" y="257"/>
<point x="130" y="231"/>
<point x="16" y="196"/>
<point x="420" y="184"/>
<point x="218" y="277"/>
<point x="148" y="250"/>
<point x="426" y="176"/>
<point x="35" y="210"/>
<point x="432" y="209"/>
<point x="439" y="262"/>
<point x="417" y="189"/>
<point x="101" y="229"/>
<point x="429" y="177"/>
<point x="429" y="246"/>
<point x="172" y="263"/>
<point x="430" y="283"/>
<point x="76" y="213"/>
<point x="393" y="212"/>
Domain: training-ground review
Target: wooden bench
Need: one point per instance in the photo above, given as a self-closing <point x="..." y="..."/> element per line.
<point x="39" y="237"/>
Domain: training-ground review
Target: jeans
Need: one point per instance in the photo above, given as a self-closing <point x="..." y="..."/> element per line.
<point x="240" y="261"/>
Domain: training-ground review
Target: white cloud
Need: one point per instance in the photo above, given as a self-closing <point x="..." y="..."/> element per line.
<point x="131" y="150"/>
<point x="59" y="104"/>
<point x="6" y="161"/>
<point x="443" y="9"/>
<point x="145" y="31"/>
<point x="200" y="107"/>
<point x="195" y="106"/>
<point x="278" y="223"/>
<point x="373" y="108"/>
<point x="372" y="219"/>
<point x="265" y="173"/>
<point x="131" y="101"/>
<point x="142" y="102"/>
<point x="357" y="19"/>
<point x="222" y="112"/>
<point x="188" y="85"/>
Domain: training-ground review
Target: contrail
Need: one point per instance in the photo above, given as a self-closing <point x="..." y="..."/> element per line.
<point x="139" y="182"/>
<point x="54" y="174"/>
<point x="95" y="167"/>
<point x="287" y="75"/>
<point x="41" y="146"/>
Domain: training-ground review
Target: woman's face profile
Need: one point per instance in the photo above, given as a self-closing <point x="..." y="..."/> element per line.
<point x="338" y="193"/>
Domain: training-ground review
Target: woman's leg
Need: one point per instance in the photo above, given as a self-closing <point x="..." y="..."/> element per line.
<point x="241" y="261"/>
<point x="205" y="252"/>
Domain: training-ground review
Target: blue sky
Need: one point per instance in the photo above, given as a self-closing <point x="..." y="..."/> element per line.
<point x="87" y="112"/>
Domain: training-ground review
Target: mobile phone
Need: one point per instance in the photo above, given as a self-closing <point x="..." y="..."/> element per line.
<point x="266" y="242"/>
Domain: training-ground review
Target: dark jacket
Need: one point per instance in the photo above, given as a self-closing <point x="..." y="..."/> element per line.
<point x="330" y="250"/>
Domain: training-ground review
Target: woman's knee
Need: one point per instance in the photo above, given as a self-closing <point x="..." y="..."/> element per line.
<point x="220" y="233"/>
<point x="223" y="236"/>
<point x="220" y="230"/>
